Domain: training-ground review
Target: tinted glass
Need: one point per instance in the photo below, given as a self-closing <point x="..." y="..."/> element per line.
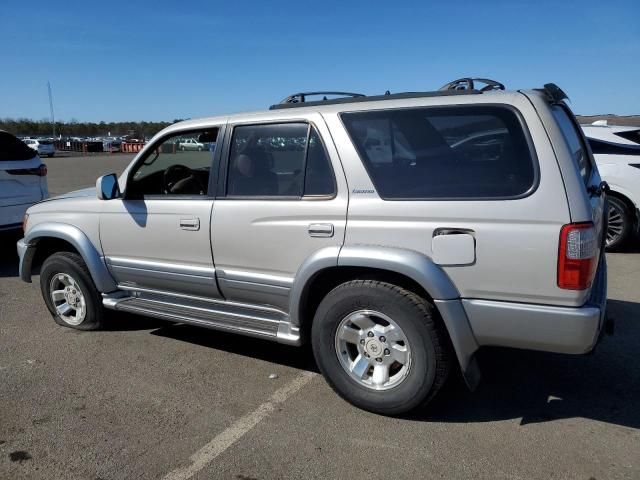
<point x="632" y="135"/>
<point x="267" y="160"/>
<point x="448" y="152"/>
<point x="13" y="149"/>
<point x="599" y="147"/>
<point x="319" y="178"/>
<point x="179" y="165"/>
<point x="574" y="141"/>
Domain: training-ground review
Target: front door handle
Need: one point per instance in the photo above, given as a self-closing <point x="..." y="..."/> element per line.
<point x="321" y="230"/>
<point x="190" y="223"/>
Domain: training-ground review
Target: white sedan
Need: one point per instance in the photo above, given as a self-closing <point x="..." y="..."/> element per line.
<point x="43" y="147"/>
<point x="190" y="144"/>
<point x="23" y="181"/>
<point x="617" y="153"/>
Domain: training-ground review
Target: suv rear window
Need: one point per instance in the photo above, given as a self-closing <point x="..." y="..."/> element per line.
<point x="12" y="149"/>
<point x="574" y="141"/>
<point x="473" y="152"/>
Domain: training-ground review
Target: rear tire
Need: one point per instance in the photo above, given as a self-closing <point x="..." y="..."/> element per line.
<point x="69" y="292"/>
<point x="380" y="347"/>
<point x="620" y="225"/>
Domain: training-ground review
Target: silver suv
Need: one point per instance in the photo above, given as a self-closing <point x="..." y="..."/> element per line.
<point x="398" y="233"/>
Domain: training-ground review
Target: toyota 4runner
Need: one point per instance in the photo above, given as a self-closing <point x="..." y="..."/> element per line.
<point x="398" y="233"/>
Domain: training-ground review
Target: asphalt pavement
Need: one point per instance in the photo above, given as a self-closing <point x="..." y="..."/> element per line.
<point x="148" y="399"/>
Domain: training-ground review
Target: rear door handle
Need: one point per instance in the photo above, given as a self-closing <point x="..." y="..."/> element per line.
<point x="190" y="223"/>
<point x="321" y="230"/>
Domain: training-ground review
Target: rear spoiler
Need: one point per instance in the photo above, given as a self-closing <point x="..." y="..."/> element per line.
<point x="553" y="93"/>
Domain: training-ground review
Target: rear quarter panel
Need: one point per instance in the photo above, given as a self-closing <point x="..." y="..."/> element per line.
<point x="516" y="240"/>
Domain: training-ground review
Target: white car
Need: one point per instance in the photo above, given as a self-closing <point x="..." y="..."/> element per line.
<point x="43" y="147"/>
<point x="23" y="181"/>
<point x="190" y="144"/>
<point x="617" y="152"/>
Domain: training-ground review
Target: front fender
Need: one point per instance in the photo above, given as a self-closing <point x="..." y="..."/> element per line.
<point x="95" y="263"/>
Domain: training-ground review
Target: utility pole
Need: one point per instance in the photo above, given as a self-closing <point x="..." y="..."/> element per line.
<point x="53" y="118"/>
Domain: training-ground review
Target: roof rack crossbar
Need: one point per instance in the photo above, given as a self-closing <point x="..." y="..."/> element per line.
<point x="302" y="96"/>
<point x="468" y="83"/>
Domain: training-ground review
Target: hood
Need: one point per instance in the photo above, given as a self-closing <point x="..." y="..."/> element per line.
<point x="85" y="192"/>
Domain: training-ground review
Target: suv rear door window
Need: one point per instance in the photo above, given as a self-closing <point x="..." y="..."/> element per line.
<point x="574" y="141"/>
<point x="278" y="160"/>
<point x="444" y="152"/>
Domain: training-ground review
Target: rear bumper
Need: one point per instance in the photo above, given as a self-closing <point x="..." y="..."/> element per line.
<point x="541" y="327"/>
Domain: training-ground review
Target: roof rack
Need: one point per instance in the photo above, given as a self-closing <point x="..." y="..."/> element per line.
<point x="467" y="83"/>
<point x="302" y="96"/>
<point x="372" y="98"/>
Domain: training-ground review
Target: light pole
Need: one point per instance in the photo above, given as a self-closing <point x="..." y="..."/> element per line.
<point x="53" y="118"/>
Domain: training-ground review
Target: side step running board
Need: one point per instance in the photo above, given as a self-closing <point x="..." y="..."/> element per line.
<point x="227" y="316"/>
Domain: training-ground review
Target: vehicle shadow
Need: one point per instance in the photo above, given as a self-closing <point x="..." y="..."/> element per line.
<point x="300" y="358"/>
<point x="534" y="387"/>
<point x="9" y="254"/>
<point x="541" y="387"/>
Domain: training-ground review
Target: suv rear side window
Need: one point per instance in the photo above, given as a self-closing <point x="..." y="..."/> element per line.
<point x="574" y="141"/>
<point x="278" y="160"/>
<point x="444" y="152"/>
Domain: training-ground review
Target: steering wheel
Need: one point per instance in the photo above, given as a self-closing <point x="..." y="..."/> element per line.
<point x="168" y="184"/>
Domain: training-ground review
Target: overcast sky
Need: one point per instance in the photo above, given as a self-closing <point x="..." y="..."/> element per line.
<point x="161" y="60"/>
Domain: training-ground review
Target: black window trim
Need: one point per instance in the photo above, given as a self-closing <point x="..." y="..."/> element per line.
<point x="144" y="154"/>
<point x="523" y="125"/>
<point x="226" y="154"/>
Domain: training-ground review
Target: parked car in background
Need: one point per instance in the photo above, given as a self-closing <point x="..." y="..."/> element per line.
<point x="23" y="180"/>
<point x="43" y="147"/>
<point x="617" y="153"/>
<point x="111" y="145"/>
<point x="190" y="144"/>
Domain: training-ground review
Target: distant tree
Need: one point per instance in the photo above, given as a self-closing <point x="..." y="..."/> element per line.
<point x="74" y="128"/>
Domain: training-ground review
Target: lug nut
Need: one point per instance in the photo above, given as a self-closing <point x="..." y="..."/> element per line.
<point x="383" y="339"/>
<point x="366" y="354"/>
<point x="370" y="334"/>
<point x="362" y="342"/>
<point x="387" y="351"/>
<point x="378" y="359"/>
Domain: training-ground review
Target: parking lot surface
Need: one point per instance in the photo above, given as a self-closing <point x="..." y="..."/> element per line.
<point x="149" y="399"/>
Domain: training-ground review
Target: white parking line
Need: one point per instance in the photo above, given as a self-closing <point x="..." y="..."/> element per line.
<point x="236" y="431"/>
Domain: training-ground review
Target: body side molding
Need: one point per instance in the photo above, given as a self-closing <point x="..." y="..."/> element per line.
<point x="95" y="262"/>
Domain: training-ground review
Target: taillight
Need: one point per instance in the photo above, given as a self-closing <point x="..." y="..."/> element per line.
<point x="41" y="171"/>
<point x="577" y="256"/>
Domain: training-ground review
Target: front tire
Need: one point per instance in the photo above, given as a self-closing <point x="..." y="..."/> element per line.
<point x="69" y="292"/>
<point x="620" y="224"/>
<point x="380" y="347"/>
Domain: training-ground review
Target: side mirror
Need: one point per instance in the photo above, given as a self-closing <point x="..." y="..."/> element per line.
<point x="107" y="187"/>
